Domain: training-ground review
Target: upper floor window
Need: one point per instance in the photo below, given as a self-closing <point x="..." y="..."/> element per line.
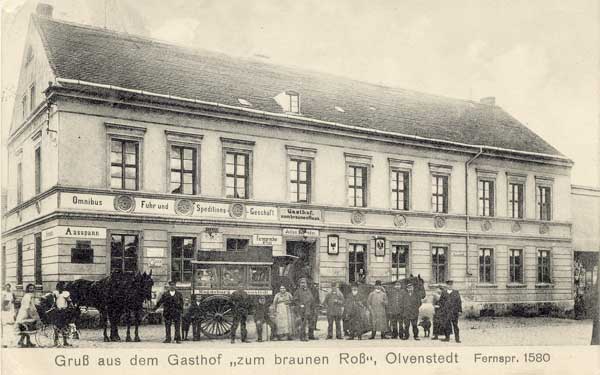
<point x="38" y="170"/>
<point x="19" y="182"/>
<point x="515" y="259"/>
<point x="24" y="107"/>
<point x="37" y="259"/>
<point x="543" y="266"/>
<point x="236" y="175"/>
<point x="294" y="98"/>
<point x="357" y="186"/>
<point x="486" y="265"/>
<point x="183" y="170"/>
<point x="544" y="202"/>
<point x="20" y="261"/>
<point x="237" y="244"/>
<point x="486" y="198"/>
<point x="300" y="180"/>
<point x="124" y="164"/>
<point x="400" y="189"/>
<point x="515" y="200"/>
<point x="439" y="193"/>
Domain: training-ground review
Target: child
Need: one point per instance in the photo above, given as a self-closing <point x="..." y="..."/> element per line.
<point x="261" y="316"/>
<point x="426" y="324"/>
<point x="192" y="318"/>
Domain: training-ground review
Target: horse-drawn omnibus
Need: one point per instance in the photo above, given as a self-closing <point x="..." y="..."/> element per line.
<point x="217" y="274"/>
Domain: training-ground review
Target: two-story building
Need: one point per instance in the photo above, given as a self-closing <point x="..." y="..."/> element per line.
<point x="132" y="154"/>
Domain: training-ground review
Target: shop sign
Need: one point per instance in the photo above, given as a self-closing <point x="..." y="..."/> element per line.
<point x="210" y="209"/>
<point x="87" y="201"/>
<point x="300" y="215"/>
<point x="250" y="292"/>
<point x="155" y="252"/>
<point x="154" y="206"/>
<point x="266" y="240"/>
<point x="74" y="232"/>
<point x="300" y="232"/>
<point x="261" y="213"/>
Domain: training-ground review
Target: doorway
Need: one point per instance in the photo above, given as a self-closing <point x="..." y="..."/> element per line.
<point x="305" y="266"/>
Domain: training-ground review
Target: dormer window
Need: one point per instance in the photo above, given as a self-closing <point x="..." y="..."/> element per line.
<point x="244" y="102"/>
<point x="289" y="101"/>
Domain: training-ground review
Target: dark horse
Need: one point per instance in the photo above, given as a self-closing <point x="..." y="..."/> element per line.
<point x="116" y="296"/>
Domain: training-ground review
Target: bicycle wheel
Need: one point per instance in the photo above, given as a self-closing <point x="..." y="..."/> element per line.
<point x="44" y="336"/>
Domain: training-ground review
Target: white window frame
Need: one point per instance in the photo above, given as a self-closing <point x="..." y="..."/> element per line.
<point x="487" y="176"/>
<point x="363" y="161"/>
<point x="514" y="178"/>
<point x="305" y="154"/>
<point x="547" y="182"/>
<point x="397" y="165"/>
<point x="240" y="146"/>
<point x="189" y="140"/>
<point x="492" y="266"/>
<point x="132" y="133"/>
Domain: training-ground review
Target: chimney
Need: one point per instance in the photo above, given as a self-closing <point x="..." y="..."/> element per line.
<point x="489" y="100"/>
<point x="44" y="10"/>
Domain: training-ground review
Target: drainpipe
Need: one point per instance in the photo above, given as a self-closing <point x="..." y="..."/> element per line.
<point x="467" y="207"/>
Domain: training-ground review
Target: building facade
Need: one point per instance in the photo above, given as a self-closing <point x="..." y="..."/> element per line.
<point x="129" y="154"/>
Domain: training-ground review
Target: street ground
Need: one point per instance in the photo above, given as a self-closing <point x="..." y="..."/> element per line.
<point x="503" y="331"/>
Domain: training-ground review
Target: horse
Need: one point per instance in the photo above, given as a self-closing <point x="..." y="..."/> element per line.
<point x="115" y="296"/>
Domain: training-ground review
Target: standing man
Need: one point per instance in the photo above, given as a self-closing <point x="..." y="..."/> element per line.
<point x="411" y="312"/>
<point x="172" y="302"/>
<point x="241" y="309"/>
<point x="377" y="303"/>
<point x="334" y="301"/>
<point x="396" y="309"/>
<point x="304" y="301"/>
<point x="450" y="308"/>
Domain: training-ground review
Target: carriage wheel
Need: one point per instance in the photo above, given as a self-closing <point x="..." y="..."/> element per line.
<point x="218" y="317"/>
<point x="44" y="336"/>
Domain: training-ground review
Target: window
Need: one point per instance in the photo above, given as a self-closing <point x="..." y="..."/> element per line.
<point x="20" y="262"/>
<point x="439" y="264"/>
<point x="237" y="244"/>
<point x="439" y="196"/>
<point x="294" y="98"/>
<point x="206" y="276"/>
<point x="3" y="265"/>
<point x="124" y="253"/>
<point x="183" y="170"/>
<point x="543" y="266"/>
<point x="300" y="180"/>
<point x="515" y="200"/>
<point x="399" y="262"/>
<point x="233" y="276"/>
<point x="24" y="107"/>
<point x="38" y="170"/>
<point x="37" y="259"/>
<point x="486" y="198"/>
<point x="357" y="271"/>
<point x="82" y="253"/>
<point x="182" y="254"/>
<point x="544" y="202"/>
<point x="400" y="187"/>
<point x="236" y="175"/>
<point x="19" y="182"/>
<point x="357" y="186"/>
<point x="32" y="101"/>
<point x="486" y="265"/>
<point x="515" y="264"/>
<point x="260" y="275"/>
<point x="124" y="166"/>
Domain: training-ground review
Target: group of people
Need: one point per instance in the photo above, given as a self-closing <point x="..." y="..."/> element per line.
<point x="27" y="318"/>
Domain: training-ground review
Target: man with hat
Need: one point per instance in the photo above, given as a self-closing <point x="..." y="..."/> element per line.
<point x="304" y="302"/>
<point x="396" y="298"/>
<point x="412" y="302"/>
<point x="377" y="303"/>
<point x="172" y="302"/>
<point x="450" y="308"/>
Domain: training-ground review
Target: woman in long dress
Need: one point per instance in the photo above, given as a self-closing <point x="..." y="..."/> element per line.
<point x="283" y="313"/>
<point x="27" y="317"/>
<point x="8" y="310"/>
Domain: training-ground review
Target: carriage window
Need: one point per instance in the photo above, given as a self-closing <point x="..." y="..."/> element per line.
<point x="399" y="262"/>
<point x="439" y="263"/>
<point x="82" y="253"/>
<point x="233" y="276"/>
<point x="123" y="253"/>
<point x="260" y="275"/>
<point x="206" y="276"/>
<point x="182" y="254"/>
<point x="237" y="244"/>
<point x="357" y="270"/>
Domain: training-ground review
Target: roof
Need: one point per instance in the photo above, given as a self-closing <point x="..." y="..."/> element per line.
<point x="107" y="57"/>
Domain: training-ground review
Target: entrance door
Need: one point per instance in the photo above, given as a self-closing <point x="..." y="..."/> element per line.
<point x="305" y="265"/>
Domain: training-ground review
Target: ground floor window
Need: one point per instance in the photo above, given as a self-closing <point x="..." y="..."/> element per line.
<point x="516" y="265"/>
<point x="37" y="261"/>
<point x="82" y="253"/>
<point x="124" y="253"/>
<point x="20" y="262"/>
<point x="543" y="266"/>
<point x="182" y="254"/>
<point x="357" y="266"/>
<point x="439" y="264"/>
<point x="486" y="265"/>
<point x="399" y="262"/>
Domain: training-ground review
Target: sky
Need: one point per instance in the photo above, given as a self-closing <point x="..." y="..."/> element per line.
<point x="539" y="58"/>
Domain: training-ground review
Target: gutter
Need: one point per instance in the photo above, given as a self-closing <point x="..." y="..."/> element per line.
<point x="467" y="235"/>
<point x="311" y="120"/>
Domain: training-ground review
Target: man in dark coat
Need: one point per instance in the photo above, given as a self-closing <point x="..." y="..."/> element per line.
<point x="355" y="314"/>
<point x="410" y="317"/>
<point x="304" y="302"/>
<point x="172" y="302"/>
<point x="334" y="302"/>
<point x="396" y="296"/>
<point x="261" y="317"/>
<point x="450" y="308"/>
<point x="241" y="308"/>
